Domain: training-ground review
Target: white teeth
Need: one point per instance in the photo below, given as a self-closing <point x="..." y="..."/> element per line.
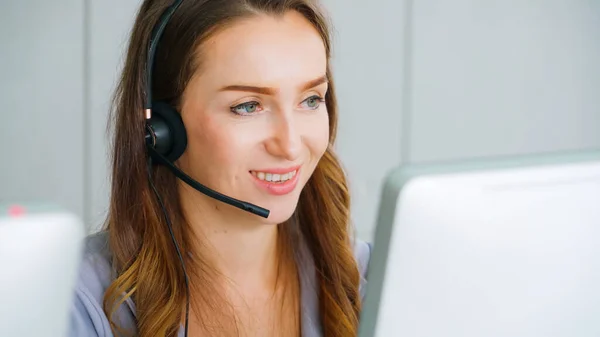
<point x="274" y="177"/>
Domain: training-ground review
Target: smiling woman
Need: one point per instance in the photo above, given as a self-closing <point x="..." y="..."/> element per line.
<point x="251" y="82"/>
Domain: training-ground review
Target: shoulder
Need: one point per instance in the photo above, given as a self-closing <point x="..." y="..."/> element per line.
<point x="95" y="275"/>
<point x="362" y="254"/>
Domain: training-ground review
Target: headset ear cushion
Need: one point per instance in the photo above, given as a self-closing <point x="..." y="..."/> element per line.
<point x="176" y="132"/>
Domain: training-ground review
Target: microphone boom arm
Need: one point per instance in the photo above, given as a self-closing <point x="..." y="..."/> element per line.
<point x="246" y="206"/>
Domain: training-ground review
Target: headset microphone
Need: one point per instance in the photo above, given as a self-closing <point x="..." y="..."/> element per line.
<point x="158" y="158"/>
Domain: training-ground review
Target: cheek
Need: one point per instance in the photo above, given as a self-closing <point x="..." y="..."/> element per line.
<point x="317" y="136"/>
<point x="211" y="148"/>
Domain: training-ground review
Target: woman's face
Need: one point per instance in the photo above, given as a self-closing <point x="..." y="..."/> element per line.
<point x="255" y="113"/>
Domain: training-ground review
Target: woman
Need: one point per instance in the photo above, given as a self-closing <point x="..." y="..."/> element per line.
<point x="251" y="82"/>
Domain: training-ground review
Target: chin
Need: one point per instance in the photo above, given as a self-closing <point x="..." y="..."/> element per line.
<point x="279" y="211"/>
<point x="277" y="216"/>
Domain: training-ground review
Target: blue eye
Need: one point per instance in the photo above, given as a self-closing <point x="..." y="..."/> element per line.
<point x="313" y="102"/>
<point x="247" y="108"/>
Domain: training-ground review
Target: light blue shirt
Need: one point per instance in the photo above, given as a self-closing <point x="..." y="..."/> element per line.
<point x="96" y="274"/>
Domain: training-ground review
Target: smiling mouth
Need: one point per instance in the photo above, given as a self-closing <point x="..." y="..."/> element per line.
<point x="274" y="177"/>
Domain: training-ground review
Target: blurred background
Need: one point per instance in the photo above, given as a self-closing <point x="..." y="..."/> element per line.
<point x="418" y="81"/>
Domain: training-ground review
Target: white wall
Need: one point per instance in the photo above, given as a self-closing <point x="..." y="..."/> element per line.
<point x="42" y="133"/>
<point x="417" y="81"/>
<point x="503" y="77"/>
<point x="107" y="41"/>
<point x="368" y="66"/>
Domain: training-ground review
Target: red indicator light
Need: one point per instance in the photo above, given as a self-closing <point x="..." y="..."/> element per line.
<point x="16" y="211"/>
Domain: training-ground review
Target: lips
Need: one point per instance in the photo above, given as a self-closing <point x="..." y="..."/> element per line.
<point x="279" y="181"/>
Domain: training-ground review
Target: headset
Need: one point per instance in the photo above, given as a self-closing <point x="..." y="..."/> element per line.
<point x="166" y="140"/>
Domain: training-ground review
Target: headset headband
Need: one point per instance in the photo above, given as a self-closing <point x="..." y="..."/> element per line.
<point x="156" y="35"/>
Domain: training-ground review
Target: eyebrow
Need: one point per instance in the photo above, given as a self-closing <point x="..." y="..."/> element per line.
<point x="272" y="91"/>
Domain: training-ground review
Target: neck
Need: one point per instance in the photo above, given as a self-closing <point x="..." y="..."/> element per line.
<point x="241" y="249"/>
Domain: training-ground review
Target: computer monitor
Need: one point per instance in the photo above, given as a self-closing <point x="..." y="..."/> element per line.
<point x="40" y="249"/>
<point x="498" y="248"/>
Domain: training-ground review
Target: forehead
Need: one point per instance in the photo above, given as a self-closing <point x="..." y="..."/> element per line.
<point x="266" y="50"/>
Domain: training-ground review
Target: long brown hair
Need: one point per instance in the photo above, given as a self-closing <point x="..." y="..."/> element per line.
<point x="144" y="257"/>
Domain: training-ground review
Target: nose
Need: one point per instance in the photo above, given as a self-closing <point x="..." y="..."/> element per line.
<point x="285" y="140"/>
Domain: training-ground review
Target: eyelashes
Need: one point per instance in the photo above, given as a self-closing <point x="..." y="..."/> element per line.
<point x="314" y="102"/>
<point x="253" y="107"/>
<point x="247" y="108"/>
